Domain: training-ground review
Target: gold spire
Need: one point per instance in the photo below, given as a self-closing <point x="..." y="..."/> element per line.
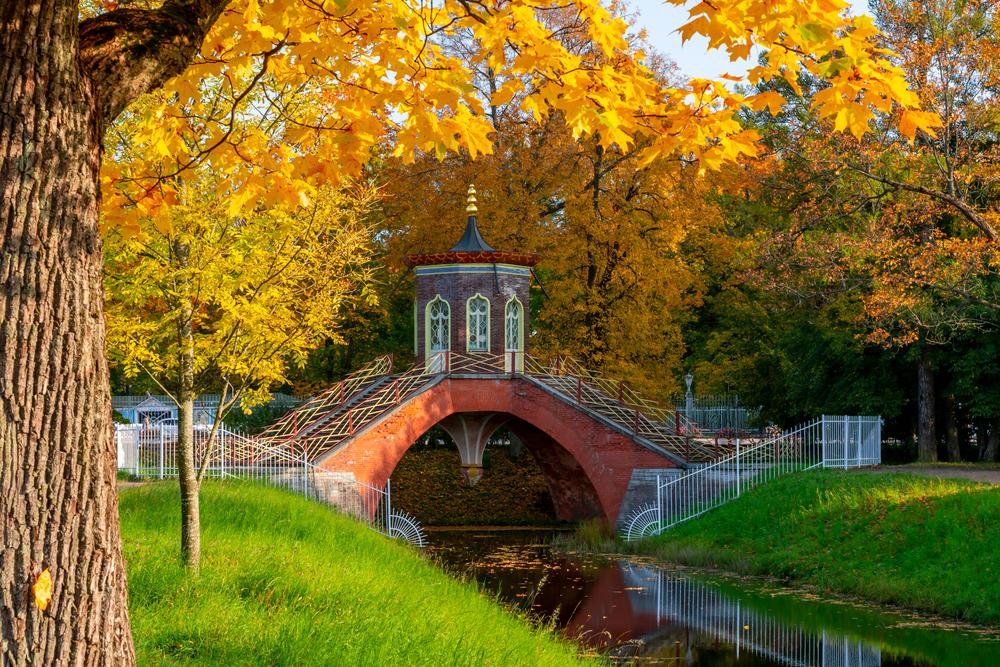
<point x="471" y="208"/>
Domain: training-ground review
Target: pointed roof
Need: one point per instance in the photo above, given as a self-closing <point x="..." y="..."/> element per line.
<point x="472" y="240"/>
<point x="471" y="248"/>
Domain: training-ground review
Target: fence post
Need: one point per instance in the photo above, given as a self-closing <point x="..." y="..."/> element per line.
<point x="579" y="390"/>
<point x="847" y="437"/>
<point x="222" y="452"/>
<point x="822" y="439"/>
<point x="677" y="422"/>
<point x="737" y="467"/>
<point x="388" y="504"/>
<point x="878" y="441"/>
<point x="161" y="452"/>
<point x="396" y="383"/>
<point x="659" y="506"/>
<point x="341" y="391"/>
<point x="859" y="441"/>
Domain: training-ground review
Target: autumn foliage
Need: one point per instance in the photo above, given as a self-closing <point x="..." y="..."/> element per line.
<point x="285" y="95"/>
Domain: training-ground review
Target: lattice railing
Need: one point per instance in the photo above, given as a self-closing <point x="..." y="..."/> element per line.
<point x="370" y="407"/>
<point x="317" y="410"/>
<point x="624" y="394"/>
<point x="352" y="406"/>
<point x="622" y="405"/>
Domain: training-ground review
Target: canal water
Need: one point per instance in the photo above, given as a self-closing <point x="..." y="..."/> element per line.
<point x="637" y="612"/>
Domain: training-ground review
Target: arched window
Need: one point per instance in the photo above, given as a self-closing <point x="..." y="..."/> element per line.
<point x="438" y="326"/>
<point x="478" y="324"/>
<point x="513" y="326"/>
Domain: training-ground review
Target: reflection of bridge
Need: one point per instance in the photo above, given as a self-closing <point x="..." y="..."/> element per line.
<point x="676" y="600"/>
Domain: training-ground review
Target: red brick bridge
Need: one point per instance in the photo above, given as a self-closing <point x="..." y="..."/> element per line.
<point x="588" y="434"/>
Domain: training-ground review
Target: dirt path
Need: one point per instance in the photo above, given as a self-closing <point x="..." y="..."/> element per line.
<point x="974" y="473"/>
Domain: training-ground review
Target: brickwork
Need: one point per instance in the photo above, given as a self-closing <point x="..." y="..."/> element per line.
<point x="456" y="289"/>
<point x="588" y="464"/>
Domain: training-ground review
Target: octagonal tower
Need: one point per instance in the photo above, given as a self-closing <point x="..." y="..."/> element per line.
<point x="472" y="299"/>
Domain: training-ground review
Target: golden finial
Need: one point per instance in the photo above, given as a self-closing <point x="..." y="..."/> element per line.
<point x="471" y="208"/>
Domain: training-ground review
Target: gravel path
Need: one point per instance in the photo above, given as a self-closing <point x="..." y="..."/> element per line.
<point x="976" y="474"/>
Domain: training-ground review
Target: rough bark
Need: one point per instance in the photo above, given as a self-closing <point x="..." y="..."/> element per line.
<point x="926" y="427"/>
<point x="992" y="450"/>
<point x="951" y="434"/>
<point x="57" y="465"/>
<point x="57" y="457"/>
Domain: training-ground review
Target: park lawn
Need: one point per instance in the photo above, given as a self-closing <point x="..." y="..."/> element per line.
<point x="924" y="543"/>
<point x="285" y="581"/>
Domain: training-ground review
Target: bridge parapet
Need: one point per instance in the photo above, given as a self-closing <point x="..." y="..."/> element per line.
<point x="330" y="419"/>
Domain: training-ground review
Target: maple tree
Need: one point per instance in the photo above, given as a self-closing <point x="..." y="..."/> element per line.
<point x="897" y="235"/>
<point x="355" y="74"/>
<point x="213" y="302"/>
<point x="612" y="289"/>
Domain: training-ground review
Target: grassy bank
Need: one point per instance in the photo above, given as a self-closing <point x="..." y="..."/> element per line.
<point x="923" y="543"/>
<point x="288" y="582"/>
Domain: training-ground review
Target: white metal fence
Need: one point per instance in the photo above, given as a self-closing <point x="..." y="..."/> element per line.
<point x="827" y="442"/>
<point x="151" y="453"/>
<point x="714" y="413"/>
<point x="708" y="610"/>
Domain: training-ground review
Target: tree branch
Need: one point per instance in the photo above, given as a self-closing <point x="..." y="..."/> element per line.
<point x="128" y="52"/>
<point x="967" y="211"/>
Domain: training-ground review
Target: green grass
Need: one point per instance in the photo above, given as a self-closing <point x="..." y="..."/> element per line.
<point x="924" y="543"/>
<point x="288" y="582"/>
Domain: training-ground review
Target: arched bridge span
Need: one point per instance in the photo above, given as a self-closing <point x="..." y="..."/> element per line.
<point x="588" y="435"/>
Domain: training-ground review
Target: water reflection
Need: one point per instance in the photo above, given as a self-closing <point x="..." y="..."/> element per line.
<point x="677" y="601"/>
<point x="638" y="612"/>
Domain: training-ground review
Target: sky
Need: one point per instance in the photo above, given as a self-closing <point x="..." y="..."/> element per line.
<point x="694" y="59"/>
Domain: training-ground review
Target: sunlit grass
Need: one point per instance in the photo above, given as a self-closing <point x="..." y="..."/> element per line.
<point x="287" y="582"/>
<point x="931" y="544"/>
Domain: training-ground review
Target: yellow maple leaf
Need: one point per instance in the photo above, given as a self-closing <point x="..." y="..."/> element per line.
<point x="910" y="121"/>
<point x="42" y="589"/>
<point x="770" y="100"/>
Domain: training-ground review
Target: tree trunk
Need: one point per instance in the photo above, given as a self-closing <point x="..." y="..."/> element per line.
<point x="187" y="472"/>
<point x="57" y="457"/>
<point x="926" y="429"/>
<point x="952" y="440"/>
<point x="992" y="451"/>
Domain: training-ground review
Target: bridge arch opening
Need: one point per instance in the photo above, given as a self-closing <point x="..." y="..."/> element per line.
<point x="588" y="460"/>
<point x="571" y="493"/>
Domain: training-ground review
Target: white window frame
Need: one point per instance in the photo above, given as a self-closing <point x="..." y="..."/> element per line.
<point x="428" y="325"/>
<point x="468" y="323"/>
<point x="507" y="349"/>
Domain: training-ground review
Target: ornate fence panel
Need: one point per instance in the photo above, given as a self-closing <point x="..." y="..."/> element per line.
<point x="830" y="442"/>
<point x="714" y="413"/>
<point x="228" y="454"/>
